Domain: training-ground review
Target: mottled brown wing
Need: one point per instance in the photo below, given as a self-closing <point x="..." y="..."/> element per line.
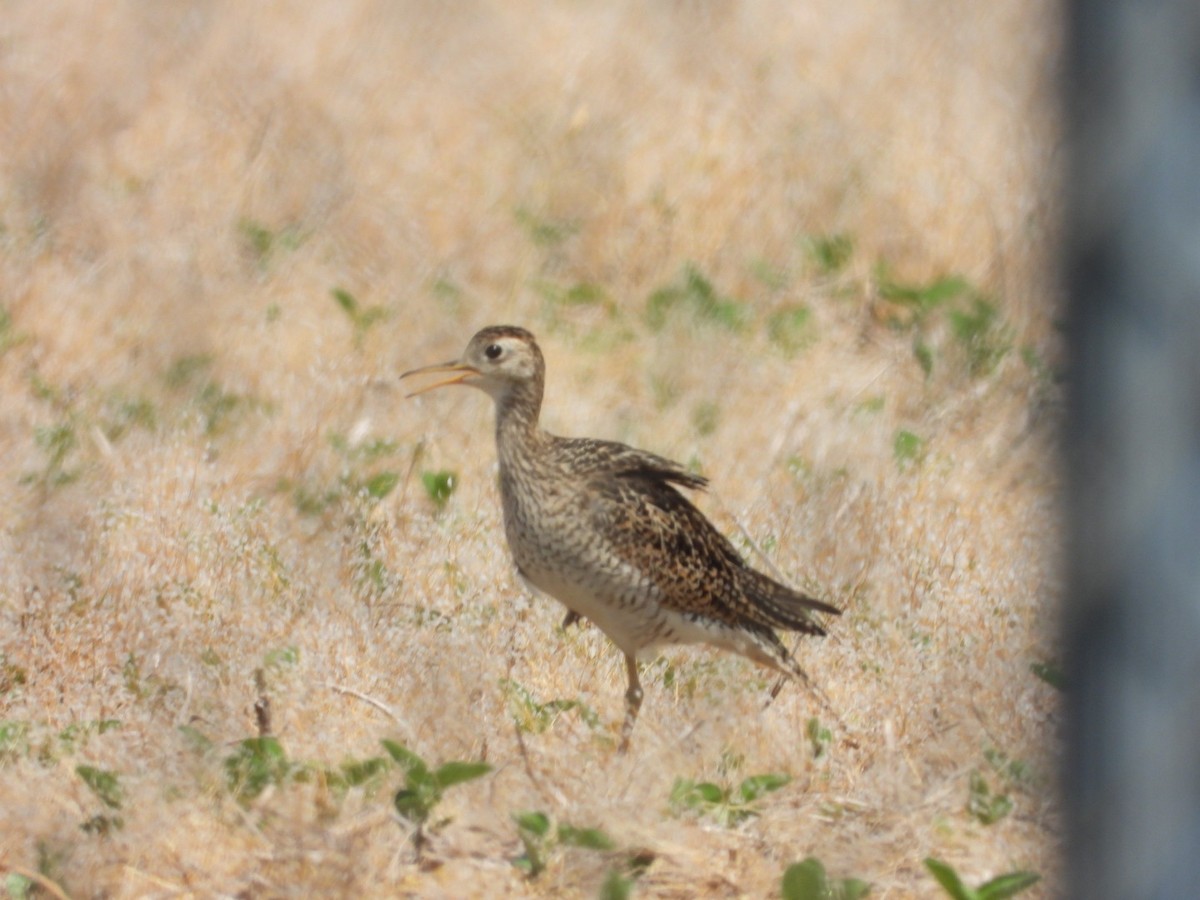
<point x="659" y="532"/>
<point x="582" y="456"/>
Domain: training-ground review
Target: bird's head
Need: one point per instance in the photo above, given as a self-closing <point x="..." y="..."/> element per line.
<point x="500" y="360"/>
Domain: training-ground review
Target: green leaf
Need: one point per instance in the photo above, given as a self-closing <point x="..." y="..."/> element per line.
<point x="981" y="332"/>
<point x="1050" y="673"/>
<point x="415" y="804"/>
<point x="805" y="881"/>
<point x="17" y="887"/>
<point x="533" y="821"/>
<point x="819" y="736"/>
<point x="358" y="772"/>
<point x="408" y="761"/>
<point x="14" y="739"/>
<point x="587" y="838"/>
<point x="693" y="290"/>
<point x="907" y="447"/>
<point x="379" y="486"/>
<point x="533" y="828"/>
<point x="949" y="880"/>
<point x="1008" y="885"/>
<point x="616" y="886"/>
<point x="790" y="328"/>
<point x="985" y="806"/>
<point x="830" y="252"/>
<point x="255" y="764"/>
<point x="854" y="889"/>
<point x="923" y="354"/>
<point x="198" y="742"/>
<point x="282" y="656"/>
<point x="543" y="230"/>
<point x="104" y="784"/>
<point x="439" y="486"/>
<point x="687" y="793"/>
<point x="346" y="301"/>
<point x="756" y="785"/>
<point x="453" y="773"/>
<point x="923" y="297"/>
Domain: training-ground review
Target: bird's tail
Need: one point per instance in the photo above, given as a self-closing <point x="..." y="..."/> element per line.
<point x="779" y="606"/>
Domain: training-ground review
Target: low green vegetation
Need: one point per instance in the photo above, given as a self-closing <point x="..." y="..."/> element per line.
<point x="219" y="408"/>
<point x="368" y="470"/>
<point x="22" y="739"/>
<point x="829" y="253"/>
<point x="424" y="787"/>
<point x="532" y="716"/>
<point x="363" y="318"/>
<point x="261" y="762"/>
<point x="257" y="763"/>
<point x="998" y="888"/>
<point x="820" y="738"/>
<point x="807" y="881"/>
<point x="694" y="295"/>
<point x="9" y="336"/>
<point x="439" y="486"/>
<point x="979" y="336"/>
<point x="544" y="840"/>
<point x="726" y="804"/>
<point x="541" y="836"/>
<point x="907" y="448"/>
<point x="791" y="329"/>
<point x="58" y="444"/>
<point x="1051" y="673"/>
<point x="263" y="244"/>
<point x="989" y="790"/>
<point x="545" y="231"/>
<point x="106" y="787"/>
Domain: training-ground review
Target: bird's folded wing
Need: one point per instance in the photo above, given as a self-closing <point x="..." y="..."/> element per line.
<point x="588" y="457"/>
<point x="654" y="529"/>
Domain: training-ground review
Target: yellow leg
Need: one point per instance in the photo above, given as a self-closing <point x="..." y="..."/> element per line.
<point x="633" y="702"/>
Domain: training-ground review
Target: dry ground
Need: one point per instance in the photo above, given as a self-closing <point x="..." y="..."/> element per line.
<point x="194" y="431"/>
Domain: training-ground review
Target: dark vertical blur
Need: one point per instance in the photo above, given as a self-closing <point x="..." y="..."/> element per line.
<point x="1133" y="455"/>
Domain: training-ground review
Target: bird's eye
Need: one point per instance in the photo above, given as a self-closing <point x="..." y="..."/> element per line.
<point x="493" y="351"/>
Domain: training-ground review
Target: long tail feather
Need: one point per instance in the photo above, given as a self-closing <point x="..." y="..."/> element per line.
<point x="781" y="607"/>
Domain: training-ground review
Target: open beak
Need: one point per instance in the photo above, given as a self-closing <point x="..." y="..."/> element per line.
<point x="461" y="373"/>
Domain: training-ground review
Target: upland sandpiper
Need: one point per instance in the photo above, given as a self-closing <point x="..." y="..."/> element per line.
<point x="602" y="528"/>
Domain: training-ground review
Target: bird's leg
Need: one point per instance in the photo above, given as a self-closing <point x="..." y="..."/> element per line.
<point x="633" y="702"/>
<point x="570" y="619"/>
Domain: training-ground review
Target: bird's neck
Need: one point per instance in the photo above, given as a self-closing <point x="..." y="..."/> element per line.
<point x="517" y="431"/>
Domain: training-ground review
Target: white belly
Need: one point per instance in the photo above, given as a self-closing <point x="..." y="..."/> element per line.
<point x="639" y="627"/>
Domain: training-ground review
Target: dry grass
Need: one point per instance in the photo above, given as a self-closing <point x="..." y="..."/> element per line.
<point x="186" y="410"/>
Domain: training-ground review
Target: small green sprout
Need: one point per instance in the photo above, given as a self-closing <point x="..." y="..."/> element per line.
<point x="424" y="787"/>
<point x="540" y="835"/>
<point x="361" y="318"/>
<point x="440" y="486"/>
<point x="829" y="252"/>
<point x="907" y="448"/>
<point x="256" y="764"/>
<point x="729" y="806"/>
<point x="999" y="888"/>
<point x="695" y="293"/>
<point x="106" y="786"/>
<point x="807" y="881"/>
<point x="534" y="717"/>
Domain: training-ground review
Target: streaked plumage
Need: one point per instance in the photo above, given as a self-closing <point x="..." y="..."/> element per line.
<point x="604" y="529"/>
